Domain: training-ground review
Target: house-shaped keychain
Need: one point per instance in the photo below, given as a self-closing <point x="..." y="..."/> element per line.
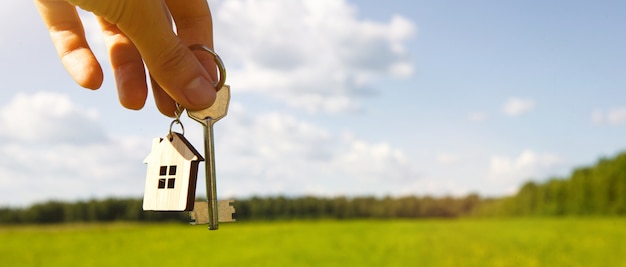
<point x="172" y="174"/>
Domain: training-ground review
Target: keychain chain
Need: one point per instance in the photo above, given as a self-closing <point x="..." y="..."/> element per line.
<point x="177" y="113"/>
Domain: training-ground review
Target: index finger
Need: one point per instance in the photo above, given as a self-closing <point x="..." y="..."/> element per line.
<point x="68" y="36"/>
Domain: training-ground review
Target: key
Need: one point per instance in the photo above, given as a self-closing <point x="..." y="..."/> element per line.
<point x="207" y="118"/>
<point x="224" y="208"/>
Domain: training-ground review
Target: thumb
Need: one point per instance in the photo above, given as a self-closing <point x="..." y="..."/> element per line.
<point x="174" y="67"/>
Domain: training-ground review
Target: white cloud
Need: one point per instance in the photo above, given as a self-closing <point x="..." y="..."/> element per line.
<point x="275" y="153"/>
<point x="613" y="116"/>
<point x="616" y="116"/>
<point x="518" y="106"/>
<point x="435" y="187"/>
<point x="375" y="162"/>
<point x="49" y="118"/>
<point x="53" y="148"/>
<point x="312" y="54"/>
<point x="527" y="165"/>
<point x="70" y="171"/>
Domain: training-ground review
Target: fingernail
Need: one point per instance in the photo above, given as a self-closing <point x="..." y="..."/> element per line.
<point x="199" y="92"/>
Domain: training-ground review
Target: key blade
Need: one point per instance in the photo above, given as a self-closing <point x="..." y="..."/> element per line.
<point x="216" y="111"/>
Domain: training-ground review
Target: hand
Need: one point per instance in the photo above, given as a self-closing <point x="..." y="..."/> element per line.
<point x="138" y="32"/>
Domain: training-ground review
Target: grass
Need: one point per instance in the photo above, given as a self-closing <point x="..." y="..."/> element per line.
<point x="465" y="242"/>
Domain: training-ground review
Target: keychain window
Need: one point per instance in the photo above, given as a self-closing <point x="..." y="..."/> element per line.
<point x="165" y="171"/>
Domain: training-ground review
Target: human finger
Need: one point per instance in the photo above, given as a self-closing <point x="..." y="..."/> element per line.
<point x="169" y="61"/>
<point x="194" y="25"/>
<point x="68" y="36"/>
<point x="128" y="68"/>
<point x="165" y="104"/>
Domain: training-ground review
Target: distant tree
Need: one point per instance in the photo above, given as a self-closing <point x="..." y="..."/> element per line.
<point x="595" y="190"/>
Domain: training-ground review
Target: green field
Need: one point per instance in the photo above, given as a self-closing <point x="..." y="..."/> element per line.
<point x="464" y="242"/>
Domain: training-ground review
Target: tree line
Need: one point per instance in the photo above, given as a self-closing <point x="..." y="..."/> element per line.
<point x="589" y="191"/>
<point x="279" y="208"/>
<point x="107" y="210"/>
<point x="251" y="209"/>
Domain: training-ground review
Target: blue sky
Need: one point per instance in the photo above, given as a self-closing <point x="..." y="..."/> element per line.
<point x="338" y="98"/>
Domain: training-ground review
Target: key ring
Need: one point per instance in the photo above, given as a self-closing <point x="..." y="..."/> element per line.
<point x="176" y="121"/>
<point x="178" y="112"/>
<point x="218" y="61"/>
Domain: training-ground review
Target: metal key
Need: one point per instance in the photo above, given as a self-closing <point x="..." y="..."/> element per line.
<point x="207" y="118"/>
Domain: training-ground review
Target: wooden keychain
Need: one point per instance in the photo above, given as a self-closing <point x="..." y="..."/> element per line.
<point x="172" y="172"/>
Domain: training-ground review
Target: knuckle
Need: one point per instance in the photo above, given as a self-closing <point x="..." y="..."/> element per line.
<point x="190" y="22"/>
<point x="114" y="11"/>
<point x="171" y="59"/>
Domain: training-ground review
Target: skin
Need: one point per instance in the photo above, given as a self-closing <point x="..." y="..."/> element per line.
<point x="138" y="32"/>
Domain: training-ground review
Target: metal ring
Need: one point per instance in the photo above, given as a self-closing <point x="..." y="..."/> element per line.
<point x="177" y="121"/>
<point x="218" y="61"/>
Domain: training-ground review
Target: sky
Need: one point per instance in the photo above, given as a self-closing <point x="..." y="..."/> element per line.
<point x="337" y="98"/>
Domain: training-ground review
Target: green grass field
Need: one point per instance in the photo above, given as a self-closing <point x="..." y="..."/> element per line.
<point x="464" y="242"/>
